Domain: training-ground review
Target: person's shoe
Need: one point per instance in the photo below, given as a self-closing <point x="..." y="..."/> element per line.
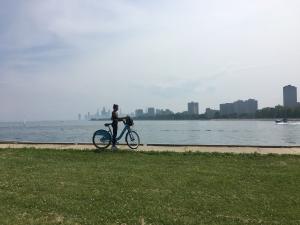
<point x="114" y="148"/>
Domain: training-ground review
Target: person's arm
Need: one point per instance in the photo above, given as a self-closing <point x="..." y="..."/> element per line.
<point x="122" y="118"/>
<point x="115" y="117"/>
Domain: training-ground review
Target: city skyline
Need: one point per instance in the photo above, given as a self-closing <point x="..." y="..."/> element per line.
<point x="239" y="106"/>
<point x="62" y="57"/>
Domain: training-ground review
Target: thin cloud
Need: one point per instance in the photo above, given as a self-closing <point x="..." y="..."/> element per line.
<point x="165" y="53"/>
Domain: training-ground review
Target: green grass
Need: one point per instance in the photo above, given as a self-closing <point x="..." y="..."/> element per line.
<point x="75" y="187"/>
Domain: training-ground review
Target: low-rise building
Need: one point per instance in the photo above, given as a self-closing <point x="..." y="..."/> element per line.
<point x="139" y="113"/>
<point x="239" y="107"/>
<point x="210" y="113"/>
<point x="226" y="109"/>
<point x="151" y="112"/>
<point x="164" y="112"/>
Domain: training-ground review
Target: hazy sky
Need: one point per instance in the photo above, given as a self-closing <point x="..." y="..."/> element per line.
<point x="59" y="58"/>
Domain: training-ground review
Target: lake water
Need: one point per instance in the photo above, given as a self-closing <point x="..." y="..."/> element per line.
<point x="214" y="132"/>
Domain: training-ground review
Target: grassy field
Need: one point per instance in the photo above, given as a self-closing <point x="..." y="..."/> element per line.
<point x="76" y="187"/>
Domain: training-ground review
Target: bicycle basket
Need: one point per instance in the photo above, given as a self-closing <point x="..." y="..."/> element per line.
<point x="129" y="121"/>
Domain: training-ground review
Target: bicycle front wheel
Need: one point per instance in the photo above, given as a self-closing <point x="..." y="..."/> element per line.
<point x="132" y="140"/>
<point x="101" y="139"/>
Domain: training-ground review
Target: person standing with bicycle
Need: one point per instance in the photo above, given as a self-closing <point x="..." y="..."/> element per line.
<point x="104" y="138"/>
<point x="115" y="119"/>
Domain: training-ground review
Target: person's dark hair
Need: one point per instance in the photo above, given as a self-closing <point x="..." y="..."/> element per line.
<point x="115" y="106"/>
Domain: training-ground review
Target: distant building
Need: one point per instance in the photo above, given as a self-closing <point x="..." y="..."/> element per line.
<point x="79" y="116"/>
<point x="289" y="96"/>
<point x="151" y="112"/>
<point x="193" y="108"/>
<point x="252" y="106"/>
<point x="239" y="107"/>
<point x="226" y="109"/>
<point x="139" y="113"/>
<point x="163" y="112"/>
<point x="158" y="111"/>
<point x="245" y="107"/>
<point x="104" y="114"/>
<point x="168" y="112"/>
<point x="210" y="113"/>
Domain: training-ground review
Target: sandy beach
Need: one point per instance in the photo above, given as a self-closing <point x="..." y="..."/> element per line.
<point x="163" y="148"/>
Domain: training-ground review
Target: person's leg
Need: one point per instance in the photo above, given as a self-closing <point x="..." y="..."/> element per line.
<point x="114" y="136"/>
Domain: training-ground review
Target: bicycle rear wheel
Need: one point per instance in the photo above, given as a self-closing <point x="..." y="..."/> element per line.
<point x="132" y="140"/>
<point x="101" y="139"/>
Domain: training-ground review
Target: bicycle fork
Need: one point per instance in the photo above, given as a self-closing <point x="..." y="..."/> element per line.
<point x="130" y="135"/>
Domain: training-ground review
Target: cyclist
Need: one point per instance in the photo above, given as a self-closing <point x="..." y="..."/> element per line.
<point x="115" y="119"/>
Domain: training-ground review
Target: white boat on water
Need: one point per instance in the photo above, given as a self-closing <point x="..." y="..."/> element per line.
<point x="286" y="122"/>
<point x="281" y="121"/>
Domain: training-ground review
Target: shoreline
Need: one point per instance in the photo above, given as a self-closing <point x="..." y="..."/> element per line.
<point x="280" y="150"/>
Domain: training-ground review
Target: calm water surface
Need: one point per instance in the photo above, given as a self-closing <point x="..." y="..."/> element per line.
<point x="228" y="132"/>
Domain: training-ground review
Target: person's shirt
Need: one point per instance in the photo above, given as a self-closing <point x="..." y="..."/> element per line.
<point x="114" y="116"/>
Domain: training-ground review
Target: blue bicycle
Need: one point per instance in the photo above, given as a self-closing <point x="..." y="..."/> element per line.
<point x="103" y="138"/>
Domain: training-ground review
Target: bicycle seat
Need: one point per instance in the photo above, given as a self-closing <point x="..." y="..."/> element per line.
<point x="107" y="124"/>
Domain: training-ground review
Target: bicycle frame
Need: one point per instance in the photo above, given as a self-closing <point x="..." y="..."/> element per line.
<point x="126" y="128"/>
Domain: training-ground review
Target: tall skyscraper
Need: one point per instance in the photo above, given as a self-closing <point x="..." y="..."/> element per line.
<point x="193" y="108"/>
<point x="289" y="96"/>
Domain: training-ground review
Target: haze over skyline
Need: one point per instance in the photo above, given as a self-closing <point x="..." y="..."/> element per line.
<point x="61" y="58"/>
